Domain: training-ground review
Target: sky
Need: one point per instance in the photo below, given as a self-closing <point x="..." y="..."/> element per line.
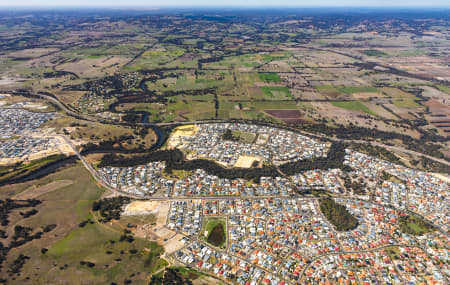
<point x="222" y="3"/>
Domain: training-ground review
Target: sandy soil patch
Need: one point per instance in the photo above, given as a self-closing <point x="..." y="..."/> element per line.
<point x="8" y="81"/>
<point x="186" y="131"/>
<point x="157" y="231"/>
<point x="183" y="131"/>
<point x="141" y="208"/>
<point x="246" y="161"/>
<point x="173" y="244"/>
<point x="37" y="106"/>
<point x="9" y="160"/>
<point x="94" y="157"/>
<point x="34" y="192"/>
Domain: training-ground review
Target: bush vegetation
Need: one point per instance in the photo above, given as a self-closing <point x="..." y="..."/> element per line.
<point x="338" y="215"/>
<point x="414" y="225"/>
<point x="110" y="208"/>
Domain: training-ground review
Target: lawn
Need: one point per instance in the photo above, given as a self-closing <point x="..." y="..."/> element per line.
<point x="244" y="137"/>
<point x="414" y="225"/>
<point x="353" y="106"/>
<point x="214" y="232"/>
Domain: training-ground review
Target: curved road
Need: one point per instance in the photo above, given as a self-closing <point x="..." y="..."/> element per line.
<point x="107" y="121"/>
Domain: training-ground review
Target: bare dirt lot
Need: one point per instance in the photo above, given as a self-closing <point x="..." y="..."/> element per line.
<point x="246" y="161"/>
<point x="141" y="207"/>
<point x="287" y="116"/>
<point x="155" y="231"/>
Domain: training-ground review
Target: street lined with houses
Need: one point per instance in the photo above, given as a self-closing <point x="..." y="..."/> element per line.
<point x="274" y="230"/>
<point x="276" y="236"/>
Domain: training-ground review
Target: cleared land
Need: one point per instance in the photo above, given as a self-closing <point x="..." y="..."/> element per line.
<point x="246" y="161"/>
<point x="69" y="244"/>
<point x="34" y="191"/>
<point x="353" y="106"/>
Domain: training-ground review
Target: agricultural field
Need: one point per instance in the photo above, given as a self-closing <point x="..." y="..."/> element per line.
<point x="130" y="91"/>
<point x="353" y="106"/>
<point x="188" y="75"/>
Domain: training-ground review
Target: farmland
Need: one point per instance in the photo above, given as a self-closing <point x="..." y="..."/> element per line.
<point x="354" y="106"/>
<point x="191" y="75"/>
<point x="224" y="146"/>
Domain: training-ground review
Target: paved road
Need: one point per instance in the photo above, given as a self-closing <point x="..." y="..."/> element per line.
<point x="302" y="274"/>
<point x="113" y="122"/>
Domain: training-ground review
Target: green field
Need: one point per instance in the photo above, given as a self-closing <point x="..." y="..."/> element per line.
<point x="443" y="88"/>
<point x="402" y="99"/>
<point x="69" y="244"/>
<point x="353" y="106"/>
<point x="192" y="107"/>
<point x="245" y="137"/>
<point x="276" y="92"/>
<point x="155" y="57"/>
<point x="414" y="225"/>
<point x="269" y="77"/>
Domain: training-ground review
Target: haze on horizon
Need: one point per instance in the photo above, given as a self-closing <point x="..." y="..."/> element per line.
<point x="230" y="3"/>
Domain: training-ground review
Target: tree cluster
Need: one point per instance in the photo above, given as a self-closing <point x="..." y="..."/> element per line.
<point x="420" y="227"/>
<point x="171" y="276"/>
<point x="228" y="136"/>
<point x="175" y="161"/>
<point x="110" y="208"/>
<point x="338" y="215"/>
<point x="6" y="206"/>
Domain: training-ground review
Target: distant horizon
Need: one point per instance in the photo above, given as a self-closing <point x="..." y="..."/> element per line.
<point x="236" y="4"/>
<point x="211" y="7"/>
